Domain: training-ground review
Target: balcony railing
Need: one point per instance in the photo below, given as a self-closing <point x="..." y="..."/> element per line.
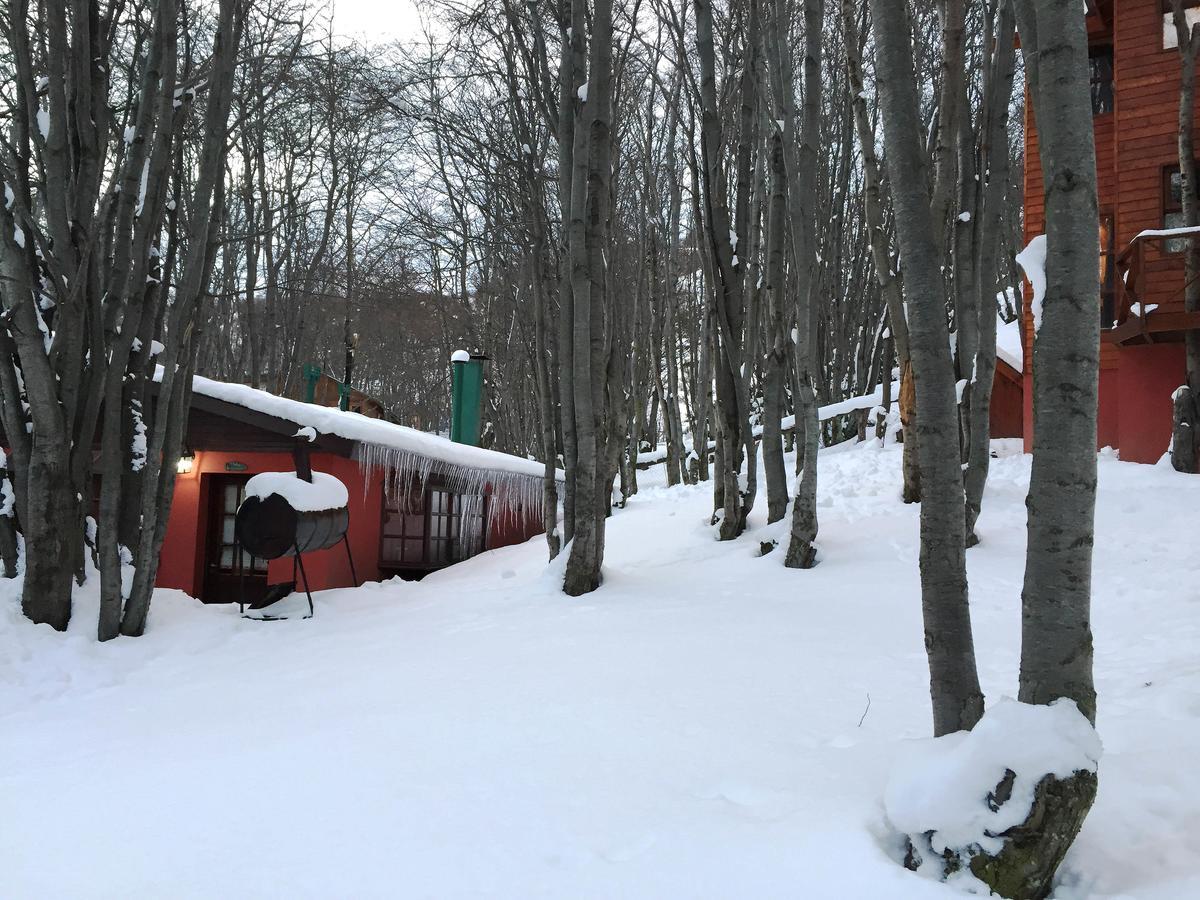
<point x="1131" y="317"/>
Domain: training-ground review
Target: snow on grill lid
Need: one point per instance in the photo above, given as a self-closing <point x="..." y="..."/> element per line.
<point x="324" y="492"/>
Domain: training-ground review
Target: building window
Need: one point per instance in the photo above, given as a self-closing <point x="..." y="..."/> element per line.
<point x="1170" y="37"/>
<point x="1100" y="61"/>
<point x="233" y="493"/>
<point x="427" y="528"/>
<point x="1173" y="208"/>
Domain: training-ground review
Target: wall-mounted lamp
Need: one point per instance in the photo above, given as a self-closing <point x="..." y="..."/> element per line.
<point x="187" y="462"/>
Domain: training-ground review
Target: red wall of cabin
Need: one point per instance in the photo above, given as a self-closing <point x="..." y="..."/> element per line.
<point x="181" y="564"/>
<point x="1150" y="373"/>
<point x="1134" y="143"/>
<point x="1007" y="414"/>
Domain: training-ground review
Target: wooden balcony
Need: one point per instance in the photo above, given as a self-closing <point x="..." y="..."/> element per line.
<point x="1135" y="322"/>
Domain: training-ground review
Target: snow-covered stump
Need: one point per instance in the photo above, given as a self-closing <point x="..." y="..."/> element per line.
<point x="1000" y="804"/>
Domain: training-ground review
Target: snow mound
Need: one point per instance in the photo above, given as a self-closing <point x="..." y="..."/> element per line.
<point x="323" y="492"/>
<point x="941" y="787"/>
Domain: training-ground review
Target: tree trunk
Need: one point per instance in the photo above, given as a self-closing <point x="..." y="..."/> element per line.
<point x="954" y="682"/>
<point x="990" y="224"/>
<point x="1056" y="639"/>
<point x="588" y="242"/>
<point x="1186" y="415"/>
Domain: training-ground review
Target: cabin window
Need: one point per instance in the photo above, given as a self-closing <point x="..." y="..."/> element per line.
<point x="430" y="528"/>
<point x="1173" y="208"/>
<point x="1191" y="12"/>
<point x="1100" y="61"/>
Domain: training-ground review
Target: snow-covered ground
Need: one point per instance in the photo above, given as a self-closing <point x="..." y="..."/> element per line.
<point x="699" y="727"/>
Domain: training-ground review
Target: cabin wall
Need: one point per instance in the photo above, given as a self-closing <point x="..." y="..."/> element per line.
<point x="182" y="562"/>
<point x="1006" y="419"/>
<point x="1134" y="143"/>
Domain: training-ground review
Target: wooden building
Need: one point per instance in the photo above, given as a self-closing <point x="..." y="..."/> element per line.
<point x="417" y="502"/>
<point x="1135" y="71"/>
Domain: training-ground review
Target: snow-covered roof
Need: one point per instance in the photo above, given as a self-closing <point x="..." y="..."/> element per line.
<point x="1008" y="343"/>
<point x="398" y="454"/>
<point x="364" y="430"/>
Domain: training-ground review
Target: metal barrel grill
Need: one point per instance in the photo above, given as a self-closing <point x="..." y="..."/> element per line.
<point x="270" y="526"/>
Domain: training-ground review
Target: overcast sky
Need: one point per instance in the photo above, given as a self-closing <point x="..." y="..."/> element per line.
<point x="377" y="19"/>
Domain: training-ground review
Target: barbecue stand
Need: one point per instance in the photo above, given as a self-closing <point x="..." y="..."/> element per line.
<point x="270" y="527"/>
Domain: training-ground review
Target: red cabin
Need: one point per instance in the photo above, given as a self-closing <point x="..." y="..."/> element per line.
<point x="417" y="502"/>
<point x="1135" y="71"/>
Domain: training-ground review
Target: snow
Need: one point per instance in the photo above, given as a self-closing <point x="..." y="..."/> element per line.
<point x="939" y="787"/>
<point x="137" y="448"/>
<point x="1009" y="348"/>
<point x="1168" y="232"/>
<point x="323" y="492"/>
<point x="142" y="185"/>
<point x="8" y="499"/>
<point x="582" y="92"/>
<point x="307" y="432"/>
<point x="1032" y="261"/>
<point x="460" y="356"/>
<point x="694" y="729"/>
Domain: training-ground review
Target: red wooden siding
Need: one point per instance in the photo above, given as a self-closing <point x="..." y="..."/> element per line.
<point x="1134" y="144"/>
<point x="183" y="555"/>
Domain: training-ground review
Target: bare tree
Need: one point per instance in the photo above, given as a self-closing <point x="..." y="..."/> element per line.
<point x="954" y="682"/>
<point x="1185" y="441"/>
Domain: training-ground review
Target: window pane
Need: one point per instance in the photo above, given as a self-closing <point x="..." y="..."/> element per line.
<point x="231" y="498"/>
<point x="227" y="530"/>
<point x="1101" y="64"/>
<point x="391" y="550"/>
<point x="1174" y="245"/>
<point x="414" y="551"/>
<point x="414" y="525"/>
<point x="226" y="557"/>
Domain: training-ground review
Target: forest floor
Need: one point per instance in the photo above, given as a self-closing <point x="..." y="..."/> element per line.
<point x="707" y="725"/>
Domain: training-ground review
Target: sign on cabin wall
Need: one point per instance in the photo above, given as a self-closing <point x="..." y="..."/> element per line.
<point x="235" y="466"/>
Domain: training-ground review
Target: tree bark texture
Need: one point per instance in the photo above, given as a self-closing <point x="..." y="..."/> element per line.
<point x="954" y="683"/>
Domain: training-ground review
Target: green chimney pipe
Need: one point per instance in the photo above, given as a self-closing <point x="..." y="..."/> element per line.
<point x="312" y="374"/>
<point x="466" y="397"/>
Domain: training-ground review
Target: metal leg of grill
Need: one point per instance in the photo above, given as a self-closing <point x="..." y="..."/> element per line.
<point x="300" y="562"/>
<point x="350" y="557"/>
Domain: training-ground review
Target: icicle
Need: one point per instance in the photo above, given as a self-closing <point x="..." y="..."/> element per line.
<point x="511" y="495"/>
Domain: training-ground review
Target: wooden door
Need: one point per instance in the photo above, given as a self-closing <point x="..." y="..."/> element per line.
<point x="224" y="580"/>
